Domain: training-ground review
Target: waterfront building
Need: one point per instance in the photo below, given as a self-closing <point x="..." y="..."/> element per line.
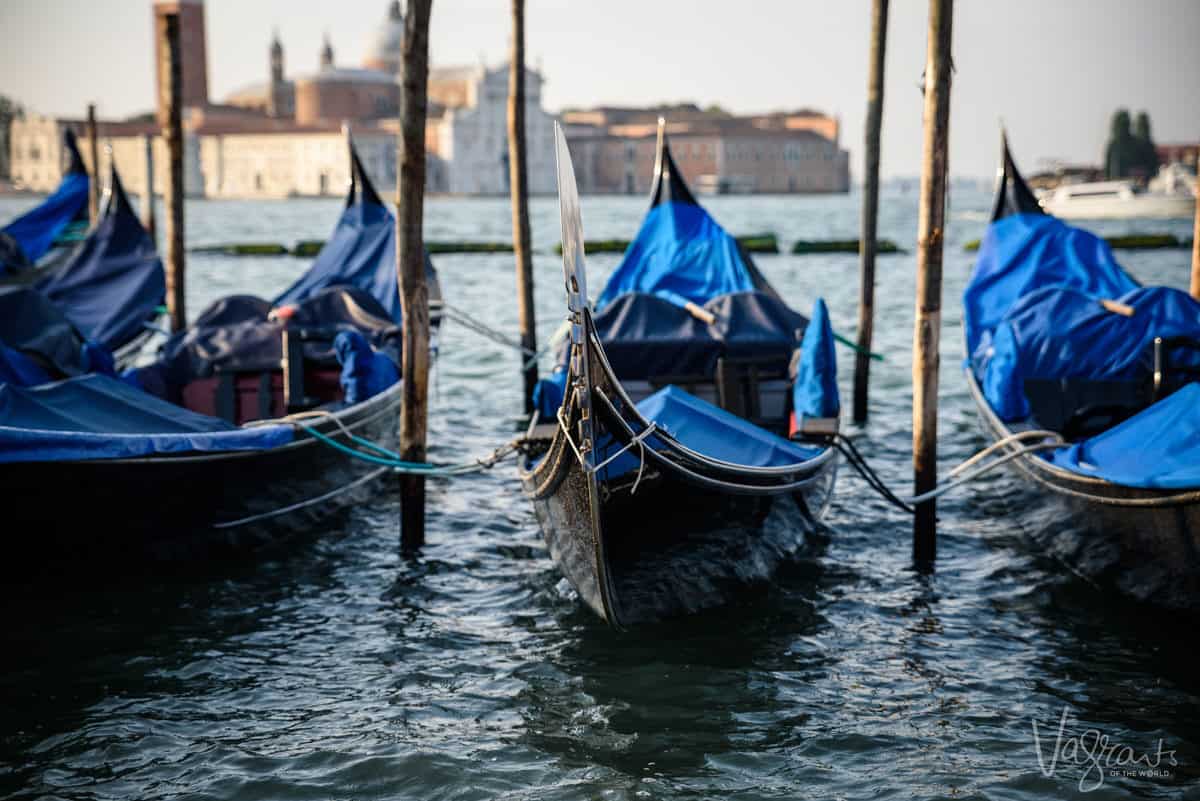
<point x="783" y="152"/>
<point x="282" y="137"/>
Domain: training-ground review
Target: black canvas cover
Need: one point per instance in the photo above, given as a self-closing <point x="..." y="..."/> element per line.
<point x="646" y="336"/>
<point x="114" y="282"/>
<point x="31" y="324"/>
<point x="237" y="334"/>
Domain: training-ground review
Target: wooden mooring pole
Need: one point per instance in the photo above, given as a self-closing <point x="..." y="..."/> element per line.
<point x="93" y="154"/>
<point x="410" y="263"/>
<point x="870" y="210"/>
<point x="170" y="113"/>
<point x="930" y="234"/>
<point x="148" y="220"/>
<point x="519" y="193"/>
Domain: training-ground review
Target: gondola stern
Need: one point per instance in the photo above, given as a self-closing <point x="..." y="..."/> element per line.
<point x="667" y="184"/>
<point x="1013" y="195"/>
<point x="361" y="189"/>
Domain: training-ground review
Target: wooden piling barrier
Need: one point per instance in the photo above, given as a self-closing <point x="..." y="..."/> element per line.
<point x="930" y="238"/>
<point x="170" y="113"/>
<point x="148" y="221"/>
<point x="410" y="264"/>
<point x="870" y="210"/>
<point x="94" y="154"/>
<point x="519" y="193"/>
<point x="1120" y="242"/>
<point x="819" y="246"/>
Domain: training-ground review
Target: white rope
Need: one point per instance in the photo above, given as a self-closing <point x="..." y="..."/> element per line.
<point x="638" y="439"/>
<point x="562" y="423"/>
<point x="1010" y="439"/>
<point x="969" y="477"/>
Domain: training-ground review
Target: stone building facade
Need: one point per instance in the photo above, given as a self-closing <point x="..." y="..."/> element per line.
<point x="469" y="138"/>
<point x="282" y="137"/>
<point x="781" y="153"/>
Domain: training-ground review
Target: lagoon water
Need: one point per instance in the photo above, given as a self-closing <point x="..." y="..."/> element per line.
<point x="331" y="667"/>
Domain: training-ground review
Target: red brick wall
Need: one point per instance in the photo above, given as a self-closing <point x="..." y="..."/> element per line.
<point x="194" y="50"/>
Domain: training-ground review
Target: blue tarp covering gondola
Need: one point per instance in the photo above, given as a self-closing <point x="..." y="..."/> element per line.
<point x="1049" y="302"/>
<point x="361" y="252"/>
<point x="35" y="231"/>
<point x="681" y="257"/>
<point x="680" y="253"/>
<point x="1159" y="447"/>
<point x="705" y="429"/>
<point x="98" y="417"/>
<point x="114" y="282"/>
<point x="1060" y="332"/>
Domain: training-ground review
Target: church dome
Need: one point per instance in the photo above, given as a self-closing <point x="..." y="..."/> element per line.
<point x="385" y="51"/>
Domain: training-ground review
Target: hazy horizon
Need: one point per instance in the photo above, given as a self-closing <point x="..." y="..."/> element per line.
<point x="1054" y="73"/>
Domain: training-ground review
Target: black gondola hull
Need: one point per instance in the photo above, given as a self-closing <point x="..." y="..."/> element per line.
<point x="189" y="506"/>
<point x="1145" y="543"/>
<point x="672" y="550"/>
<point x="666" y="540"/>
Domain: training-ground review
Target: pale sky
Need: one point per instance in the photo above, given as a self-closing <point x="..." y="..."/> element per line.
<point x="1053" y="70"/>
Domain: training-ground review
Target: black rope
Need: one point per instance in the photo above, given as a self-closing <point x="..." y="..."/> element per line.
<point x="850" y="451"/>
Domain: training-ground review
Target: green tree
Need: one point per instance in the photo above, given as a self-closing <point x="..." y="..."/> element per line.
<point x="1147" y="161"/>
<point x="9" y="110"/>
<point x="1120" y="154"/>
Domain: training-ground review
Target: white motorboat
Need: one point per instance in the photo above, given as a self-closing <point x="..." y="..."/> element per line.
<point x="1171" y="193"/>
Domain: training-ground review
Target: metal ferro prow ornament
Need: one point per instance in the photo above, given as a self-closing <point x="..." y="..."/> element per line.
<point x="575" y="276"/>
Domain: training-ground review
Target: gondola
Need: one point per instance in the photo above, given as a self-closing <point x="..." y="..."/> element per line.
<point x="1091" y="381"/>
<point x="25" y="240"/>
<point x="210" y="444"/>
<point x="653" y="501"/>
<point x="112" y="286"/>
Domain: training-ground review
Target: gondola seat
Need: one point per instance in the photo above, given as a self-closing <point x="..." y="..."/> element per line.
<point x="342" y="348"/>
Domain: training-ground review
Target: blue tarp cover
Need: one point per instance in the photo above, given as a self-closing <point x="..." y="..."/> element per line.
<point x="115" y="281"/>
<point x="1066" y="333"/>
<point x="548" y="393"/>
<point x="1157" y="448"/>
<point x="17" y="368"/>
<point x="365" y="371"/>
<point x="36" y="230"/>
<point x="1033" y="310"/>
<point x="708" y="430"/>
<point x="718" y="434"/>
<point x="1025" y="252"/>
<point x="97" y="417"/>
<point x="815" y="390"/>
<point x="360" y="253"/>
<point x="679" y="254"/>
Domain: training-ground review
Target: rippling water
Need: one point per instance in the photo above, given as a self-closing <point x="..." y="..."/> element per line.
<point x="331" y="667"/>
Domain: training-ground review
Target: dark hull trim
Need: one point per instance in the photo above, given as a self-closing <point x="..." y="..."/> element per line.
<point x="1144" y="542"/>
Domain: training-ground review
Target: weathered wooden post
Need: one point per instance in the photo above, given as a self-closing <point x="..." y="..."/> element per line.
<point x="410" y="263"/>
<point x="1196" y="246"/>
<point x="519" y="193"/>
<point x="148" y="220"/>
<point x="930" y="233"/>
<point x="170" y="119"/>
<point x="94" y="154"/>
<point x="870" y="210"/>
